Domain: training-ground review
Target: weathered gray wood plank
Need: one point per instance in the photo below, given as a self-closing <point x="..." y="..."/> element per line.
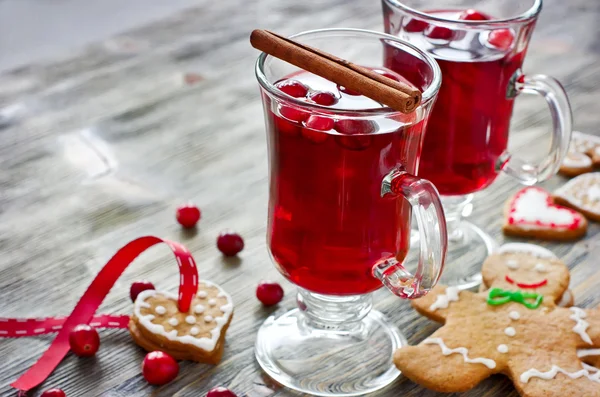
<point x="106" y="144"/>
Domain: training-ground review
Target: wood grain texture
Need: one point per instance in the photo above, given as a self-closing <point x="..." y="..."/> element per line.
<point x="100" y="148"/>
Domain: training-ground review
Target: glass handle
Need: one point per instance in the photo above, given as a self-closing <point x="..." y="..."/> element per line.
<point x="426" y="205"/>
<point x="562" y="119"/>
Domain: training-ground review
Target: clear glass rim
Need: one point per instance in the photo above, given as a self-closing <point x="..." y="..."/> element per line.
<point x="427" y="95"/>
<point x="531" y="13"/>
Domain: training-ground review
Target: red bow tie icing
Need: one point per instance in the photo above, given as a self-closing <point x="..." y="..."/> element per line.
<point x="89" y="303"/>
<point x="532" y="212"/>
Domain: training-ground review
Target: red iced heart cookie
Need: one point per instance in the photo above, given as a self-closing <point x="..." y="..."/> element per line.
<point x="531" y="212"/>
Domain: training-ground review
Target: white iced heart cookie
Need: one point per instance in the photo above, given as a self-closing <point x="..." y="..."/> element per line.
<point x="531" y="212"/>
<point x="584" y="154"/>
<point x="582" y="194"/>
<point x="198" y="335"/>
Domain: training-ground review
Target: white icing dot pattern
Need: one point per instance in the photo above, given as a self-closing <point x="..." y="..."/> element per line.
<point x="160" y="310"/>
<point x="540" y="268"/>
<point x="194" y="331"/>
<point x="190" y="320"/>
<point x="212" y="302"/>
<point x="510" y="331"/>
<point x="208" y="319"/>
<point x="202" y="294"/>
<point x="512" y="264"/>
<point x="173" y="322"/>
<point x="198" y="309"/>
<point x="514" y="315"/>
<point x="502" y="348"/>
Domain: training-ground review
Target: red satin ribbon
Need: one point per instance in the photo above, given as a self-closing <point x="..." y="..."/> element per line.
<point x="89" y="303"/>
<point x="24" y="327"/>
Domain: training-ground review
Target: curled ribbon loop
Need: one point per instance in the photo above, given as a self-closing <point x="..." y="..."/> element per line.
<point x="498" y="296"/>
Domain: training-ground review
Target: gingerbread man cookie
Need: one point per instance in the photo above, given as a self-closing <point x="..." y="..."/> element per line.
<point x="582" y="194"/>
<point x="583" y="154"/>
<point x="198" y="335"/>
<point x="531" y="212"/>
<point x="519" y="333"/>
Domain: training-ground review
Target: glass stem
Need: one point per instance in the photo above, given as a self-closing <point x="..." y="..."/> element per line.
<point x="455" y="209"/>
<point x="333" y="312"/>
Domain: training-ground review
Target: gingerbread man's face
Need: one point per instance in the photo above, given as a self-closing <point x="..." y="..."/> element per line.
<point x="526" y="268"/>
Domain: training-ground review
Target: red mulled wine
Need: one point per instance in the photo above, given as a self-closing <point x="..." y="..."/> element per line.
<point x="328" y="225"/>
<point x="468" y="128"/>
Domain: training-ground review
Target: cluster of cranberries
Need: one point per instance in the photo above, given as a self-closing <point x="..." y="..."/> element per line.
<point x="499" y="38"/>
<point x="296" y="121"/>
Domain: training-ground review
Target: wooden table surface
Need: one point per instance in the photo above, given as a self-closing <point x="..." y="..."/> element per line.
<point x="100" y="148"/>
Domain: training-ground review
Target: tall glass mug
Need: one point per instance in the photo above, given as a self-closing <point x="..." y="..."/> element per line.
<point x="480" y="47"/>
<point x="342" y="191"/>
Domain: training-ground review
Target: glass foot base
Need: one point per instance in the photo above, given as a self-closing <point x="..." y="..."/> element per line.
<point x="468" y="247"/>
<point x="348" y="360"/>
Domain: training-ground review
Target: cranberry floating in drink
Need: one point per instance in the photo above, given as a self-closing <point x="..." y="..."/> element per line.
<point x="465" y="147"/>
<point x="341" y="189"/>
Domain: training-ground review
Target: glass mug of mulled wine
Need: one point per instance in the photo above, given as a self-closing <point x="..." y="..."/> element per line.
<point x="342" y="193"/>
<point x="480" y="47"/>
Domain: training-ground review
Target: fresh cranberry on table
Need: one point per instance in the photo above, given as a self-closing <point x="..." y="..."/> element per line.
<point x="53" y="393"/>
<point x="269" y="293"/>
<point x="220" y="392"/>
<point x="159" y="368"/>
<point x="188" y="215"/>
<point x="323" y="98"/>
<point x="440" y="33"/>
<point x="84" y="340"/>
<point x="230" y="243"/>
<point x="501" y="38"/>
<point x="293" y="88"/>
<point x="139" y="286"/>
<point x="473" y="15"/>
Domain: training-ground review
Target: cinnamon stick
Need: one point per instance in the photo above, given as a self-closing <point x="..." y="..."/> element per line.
<point x="397" y="95"/>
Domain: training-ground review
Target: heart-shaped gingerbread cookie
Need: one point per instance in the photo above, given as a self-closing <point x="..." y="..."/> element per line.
<point x="583" y="156"/>
<point x="531" y="212"/>
<point x="582" y="194"/>
<point x="198" y="335"/>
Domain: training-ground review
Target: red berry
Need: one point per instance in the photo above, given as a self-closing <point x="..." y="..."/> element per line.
<point x="293" y="114"/>
<point x="293" y="88"/>
<point x="230" y="243"/>
<point x="139" y="286"/>
<point x="440" y="33"/>
<point x="269" y="293"/>
<point x="84" y="340"/>
<point x="323" y="98"/>
<point x="501" y="38"/>
<point x="320" y="123"/>
<point x="220" y="392"/>
<point x="353" y="126"/>
<point x="159" y="368"/>
<point x="348" y="91"/>
<point x="53" y="393"/>
<point x="188" y="215"/>
<point x="415" y="25"/>
<point x="355" y="133"/>
<point x="473" y="15"/>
